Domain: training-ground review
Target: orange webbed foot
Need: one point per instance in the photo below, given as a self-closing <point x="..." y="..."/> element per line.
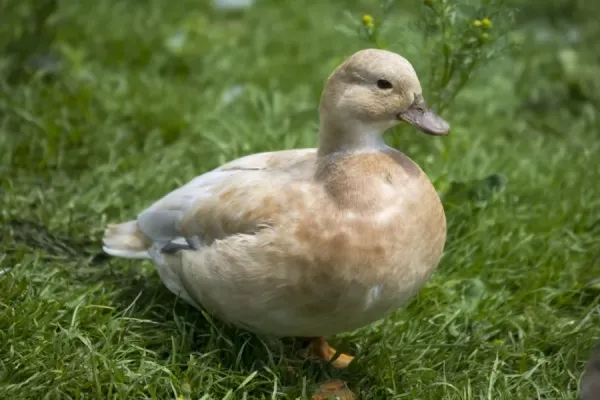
<point x="323" y="351"/>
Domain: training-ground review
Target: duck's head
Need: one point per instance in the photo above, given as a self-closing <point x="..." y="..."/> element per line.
<point x="370" y="92"/>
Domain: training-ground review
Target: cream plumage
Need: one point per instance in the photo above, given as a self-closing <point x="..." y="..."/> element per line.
<point x="309" y="242"/>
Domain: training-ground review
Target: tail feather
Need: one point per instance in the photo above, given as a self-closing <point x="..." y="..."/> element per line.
<point x="126" y="241"/>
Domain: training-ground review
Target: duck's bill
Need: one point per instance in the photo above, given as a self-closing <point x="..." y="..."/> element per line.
<point x="425" y="120"/>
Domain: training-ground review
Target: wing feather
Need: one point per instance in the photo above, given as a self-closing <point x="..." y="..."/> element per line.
<point x="239" y="197"/>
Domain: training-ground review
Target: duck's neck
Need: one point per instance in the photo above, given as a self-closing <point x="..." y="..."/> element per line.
<point x="351" y="162"/>
<point x="348" y="137"/>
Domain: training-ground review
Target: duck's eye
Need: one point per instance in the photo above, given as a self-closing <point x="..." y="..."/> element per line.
<point x="384" y="84"/>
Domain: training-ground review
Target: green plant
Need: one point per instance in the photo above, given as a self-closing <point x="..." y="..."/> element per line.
<point x="25" y="45"/>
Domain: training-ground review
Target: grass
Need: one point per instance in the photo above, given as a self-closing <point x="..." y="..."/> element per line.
<point x="139" y="97"/>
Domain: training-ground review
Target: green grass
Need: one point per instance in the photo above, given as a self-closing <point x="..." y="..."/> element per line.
<point x="512" y="312"/>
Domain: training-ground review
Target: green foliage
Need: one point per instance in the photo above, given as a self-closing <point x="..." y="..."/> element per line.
<point x="26" y="32"/>
<point x="106" y="106"/>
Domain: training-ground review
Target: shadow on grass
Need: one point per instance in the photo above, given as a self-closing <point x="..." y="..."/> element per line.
<point x="137" y="293"/>
<point x="236" y="349"/>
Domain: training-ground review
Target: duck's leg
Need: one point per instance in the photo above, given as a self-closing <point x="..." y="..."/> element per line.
<point x="322" y="350"/>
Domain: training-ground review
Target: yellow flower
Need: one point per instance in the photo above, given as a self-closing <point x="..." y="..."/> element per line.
<point x="477" y="22"/>
<point x="367" y="21"/>
<point x="486" y="23"/>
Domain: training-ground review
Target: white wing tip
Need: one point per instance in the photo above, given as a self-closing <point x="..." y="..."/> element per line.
<point x="133" y="255"/>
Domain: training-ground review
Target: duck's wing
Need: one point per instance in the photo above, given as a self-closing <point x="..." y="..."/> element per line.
<point x="238" y="197"/>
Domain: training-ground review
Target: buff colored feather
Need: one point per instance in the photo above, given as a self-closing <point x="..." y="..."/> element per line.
<point x="308" y="242"/>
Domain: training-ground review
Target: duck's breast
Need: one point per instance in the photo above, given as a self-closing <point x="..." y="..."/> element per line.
<point x="365" y="249"/>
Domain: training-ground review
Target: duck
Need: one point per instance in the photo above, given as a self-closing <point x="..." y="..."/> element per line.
<point x="312" y="242"/>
